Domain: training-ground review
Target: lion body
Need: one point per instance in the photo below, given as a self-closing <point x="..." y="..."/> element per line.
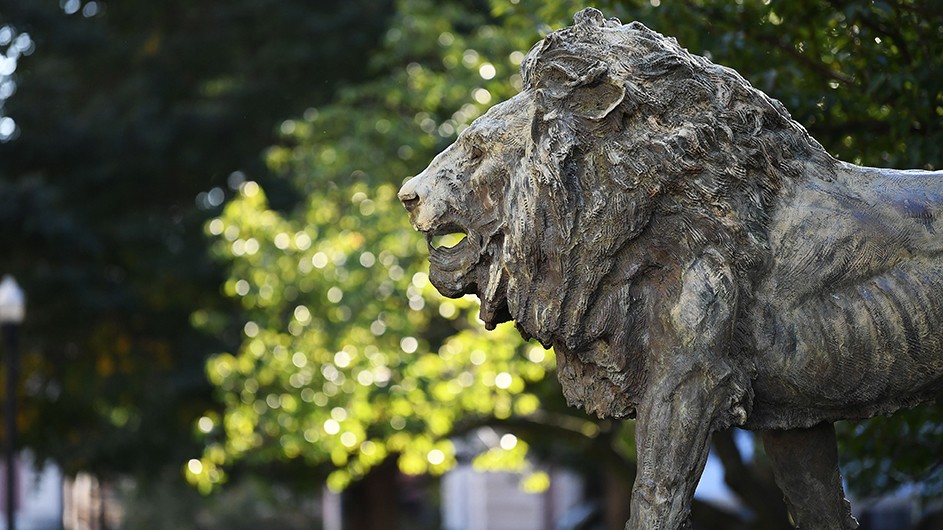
<point x="695" y="258"/>
<point x="846" y="323"/>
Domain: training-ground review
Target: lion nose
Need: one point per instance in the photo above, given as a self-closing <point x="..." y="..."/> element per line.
<point x="410" y="201"/>
<point x="409" y="196"/>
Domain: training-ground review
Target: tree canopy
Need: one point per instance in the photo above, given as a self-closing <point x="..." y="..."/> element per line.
<point x="349" y="355"/>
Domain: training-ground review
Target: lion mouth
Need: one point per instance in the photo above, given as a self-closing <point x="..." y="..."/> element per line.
<point x="453" y="256"/>
<point x="449" y="239"/>
<point x="461" y="263"/>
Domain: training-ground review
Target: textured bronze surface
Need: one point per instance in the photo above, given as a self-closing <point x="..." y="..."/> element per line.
<point x="695" y="258"/>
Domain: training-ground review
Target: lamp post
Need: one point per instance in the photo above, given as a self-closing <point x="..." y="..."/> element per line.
<point x="12" y="310"/>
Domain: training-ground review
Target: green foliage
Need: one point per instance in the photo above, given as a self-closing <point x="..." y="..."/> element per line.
<point x="349" y="355"/>
<point x="903" y="449"/>
<point x="346" y="355"/>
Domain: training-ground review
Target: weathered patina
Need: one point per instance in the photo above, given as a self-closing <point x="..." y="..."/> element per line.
<point x="695" y="258"/>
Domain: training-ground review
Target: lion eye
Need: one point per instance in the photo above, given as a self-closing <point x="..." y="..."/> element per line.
<point x="476" y="152"/>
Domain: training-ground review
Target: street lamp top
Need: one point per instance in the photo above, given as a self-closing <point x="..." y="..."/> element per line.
<point x="12" y="301"/>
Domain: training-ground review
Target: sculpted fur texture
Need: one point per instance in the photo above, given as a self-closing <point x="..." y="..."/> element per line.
<point x="696" y="259"/>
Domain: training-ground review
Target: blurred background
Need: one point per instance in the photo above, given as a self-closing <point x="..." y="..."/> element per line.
<point x="228" y="318"/>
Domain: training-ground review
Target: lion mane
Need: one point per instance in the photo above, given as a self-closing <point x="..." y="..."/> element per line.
<point x="635" y="142"/>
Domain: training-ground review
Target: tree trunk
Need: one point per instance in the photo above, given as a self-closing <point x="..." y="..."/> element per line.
<point x="618" y="493"/>
<point x="372" y="503"/>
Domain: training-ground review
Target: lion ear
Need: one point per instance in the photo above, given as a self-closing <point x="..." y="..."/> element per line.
<point x="589" y="94"/>
<point x="596" y="102"/>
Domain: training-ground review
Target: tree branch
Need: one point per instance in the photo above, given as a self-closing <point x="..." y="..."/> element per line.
<point x="760" y="495"/>
<point x="712" y="517"/>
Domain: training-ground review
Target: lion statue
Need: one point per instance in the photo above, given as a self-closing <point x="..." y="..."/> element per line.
<point x="695" y="258"/>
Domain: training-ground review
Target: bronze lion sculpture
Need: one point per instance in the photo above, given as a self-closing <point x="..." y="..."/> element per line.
<point x="696" y="259"/>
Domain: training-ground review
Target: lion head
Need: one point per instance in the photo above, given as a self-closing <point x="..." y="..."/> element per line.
<point x="621" y="157"/>
<point x="464" y="190"/>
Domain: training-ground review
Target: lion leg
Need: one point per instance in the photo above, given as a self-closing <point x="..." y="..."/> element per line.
<point x="672" y="436"/>
<point x="805" y="465"/>
<point x="695" y="388"/>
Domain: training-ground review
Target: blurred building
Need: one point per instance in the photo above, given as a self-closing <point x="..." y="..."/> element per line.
<point x="474" y="500"/>
<point x="39" y="495"/>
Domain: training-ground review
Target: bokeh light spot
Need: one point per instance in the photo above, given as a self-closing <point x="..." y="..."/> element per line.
<point x="205" y="424"/>
<point x="319" y="260"/>
<point x="299" y="360"/>
<point x="249" y="188"/>
<point x="367" y="259"/>
<point x="281" y="241"/>
<point x="332" y="427"/>
<point x="435" y="457"/>
<point x="482" y="96"/>
<point x="342" y="359"/>
<point x="447" y="309"/>
<point x="349" y="439"/>
<point x="195" y="466"/>
<point x="216" y="227"/>
<point x="335" y="294"/>
<point x="409" y="344"/>
<point x="478" y="357"/>
<point x="536" y="354"/>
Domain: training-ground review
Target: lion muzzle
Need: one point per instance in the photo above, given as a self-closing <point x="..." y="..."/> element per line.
<point x="409" y="196"/>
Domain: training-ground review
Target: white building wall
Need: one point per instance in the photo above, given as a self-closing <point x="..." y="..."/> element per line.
<point x="473" y="500"/>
